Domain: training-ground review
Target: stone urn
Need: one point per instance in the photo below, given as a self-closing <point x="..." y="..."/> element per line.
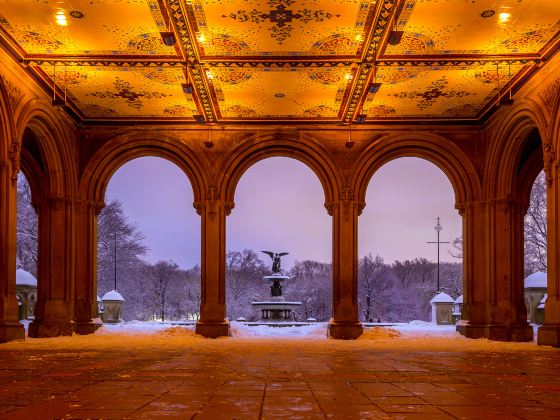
<point x="442" y="309"/>
<point x="112" y="306"/>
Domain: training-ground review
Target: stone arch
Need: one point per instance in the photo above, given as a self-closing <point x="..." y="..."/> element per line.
<point x="7" y="128"/>
<point x="122" y="149"/>
<point x="454" y="163"/>
<point x="507" y="144"/>
<point x="307" y="152"/>
<point x="55" y="142"/>
<point x="554" y="135"/>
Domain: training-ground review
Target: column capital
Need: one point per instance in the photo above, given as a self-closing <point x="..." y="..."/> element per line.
<point x="212" y="207"/>
<point x="14" y="156"/>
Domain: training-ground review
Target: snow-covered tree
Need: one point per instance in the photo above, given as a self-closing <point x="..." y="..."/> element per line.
<point x="27" y="228"/>
<point x="244" y="282"/>
<point x="535" y="228"/>
<point x="311" y="284"/>
<point x="159" y="278"/>
<point x="120" y="247"/>
<point x="373" y="284"/>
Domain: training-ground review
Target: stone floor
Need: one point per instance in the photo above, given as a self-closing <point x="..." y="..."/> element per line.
<point x="160" y="376"/>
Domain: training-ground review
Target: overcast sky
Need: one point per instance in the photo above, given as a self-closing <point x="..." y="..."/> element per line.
<point x="279" y="207"/>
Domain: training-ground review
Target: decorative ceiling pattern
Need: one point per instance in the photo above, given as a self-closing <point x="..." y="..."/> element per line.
<point x="234" y="61"/>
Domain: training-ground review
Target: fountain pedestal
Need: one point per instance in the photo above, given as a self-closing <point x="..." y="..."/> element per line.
<point x="277" y="308"/>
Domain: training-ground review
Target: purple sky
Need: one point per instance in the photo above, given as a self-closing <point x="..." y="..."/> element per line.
<point x="279" y="207"/>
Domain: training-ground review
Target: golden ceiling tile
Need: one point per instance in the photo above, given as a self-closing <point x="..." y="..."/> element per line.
<point x="436" y="92"/>
<point x="112" y="27"/>
<point x="125" y="92"/>
<point x="279" y="93"/>
<point x="476" y="27"/>
<point x="280" y="27"/>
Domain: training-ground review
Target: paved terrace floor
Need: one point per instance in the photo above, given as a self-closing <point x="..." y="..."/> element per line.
<point x="176" y="375"/>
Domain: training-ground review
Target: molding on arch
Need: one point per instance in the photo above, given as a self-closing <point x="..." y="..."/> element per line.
<point x="443" y="153"/>
<point x="302" y="148"/>
<point x="126" y="147"/>
<point x="57" y="144"/>
<point x="7" y="128"/>
<point x="506" y="143"/>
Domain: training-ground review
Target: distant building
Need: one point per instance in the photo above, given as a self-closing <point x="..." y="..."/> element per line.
<point x="535" y="289"/>
<point x="26" y="292"/>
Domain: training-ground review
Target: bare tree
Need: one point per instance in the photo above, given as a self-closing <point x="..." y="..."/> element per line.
<point x="159" y="278"/>
<point x="120" y="246"/>
<point x="244" y="283"/>
<point x="536" y="228"/>
<point x="457" y="244"/>
<point x="27" y="228"/>
<point x="403" y="270"/>
<point x="311" y="284"/>
<point x="372" y="284"/>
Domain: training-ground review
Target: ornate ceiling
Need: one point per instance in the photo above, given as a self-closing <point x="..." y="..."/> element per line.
<point x="280" y="60"/>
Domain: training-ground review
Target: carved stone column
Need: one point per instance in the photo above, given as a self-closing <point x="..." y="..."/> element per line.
<point x="345" y="323"/>
<point x="212" y="322"/>
<point x="493" y="303"/>
<point x="549" y="332"/>
<point x="85" y="298"/>
<point x="54" y="310"/>
<point x="10" y="327"/>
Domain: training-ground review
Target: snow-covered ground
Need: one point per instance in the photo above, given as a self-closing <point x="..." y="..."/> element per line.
<point x="137" y="334"/>
<point x="312" y="331"/>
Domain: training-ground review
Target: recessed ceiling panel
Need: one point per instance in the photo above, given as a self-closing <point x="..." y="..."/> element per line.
<point x="280" y="27"/>
<point x="482" y="26"/>
<point x="125" y="92"/>
<point x="436" y="92"/>
<point x="85" y="27"/>
<point x="280" y="93"/>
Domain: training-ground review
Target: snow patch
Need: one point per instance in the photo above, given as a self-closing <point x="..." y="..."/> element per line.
<point x="442" y="297"/>
<point x="25" y="278"/>
<point x="112" y="295"/>
<point x="379" y="333"/>
<point x="537" y="279"/>
<point x="318" y="330"/>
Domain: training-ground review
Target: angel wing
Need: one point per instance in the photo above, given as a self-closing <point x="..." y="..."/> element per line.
<point x="270" y="254"/>
<point x="283" y="253"/>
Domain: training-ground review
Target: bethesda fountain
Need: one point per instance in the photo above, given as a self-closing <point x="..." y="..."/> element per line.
<point x="276" y="308"/>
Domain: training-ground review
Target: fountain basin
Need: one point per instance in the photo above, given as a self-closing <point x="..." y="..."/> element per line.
<point x="276" y="310"/>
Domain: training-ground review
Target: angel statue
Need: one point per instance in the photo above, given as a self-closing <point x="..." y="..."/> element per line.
<point x="275" y="260"/>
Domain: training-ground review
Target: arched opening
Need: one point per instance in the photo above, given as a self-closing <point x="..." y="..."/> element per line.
<point x="32" y="186"/>
<point x="530" y="187"/>
<point x="27" y="234"/>
<point x="148" y="247"/>
<point x="279" y="207"/>
<point x="398" y="249"/>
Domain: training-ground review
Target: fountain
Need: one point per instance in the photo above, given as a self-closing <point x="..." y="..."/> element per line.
<point x="277" y="308"/>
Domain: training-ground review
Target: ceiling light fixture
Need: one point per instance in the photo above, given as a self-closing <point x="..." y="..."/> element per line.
<point x="374" y="87"/>
<point x="349" y="143"/>
<point x="361" y="119"/>
<point x="348" y="76"/>
<point x="504" y="17"/>
<point x="61" y="18"/>
<point x="188" y="88"/>
<point x="395" y="35"/>
<point x="508" y="100"/>
<point x="199" y="118"/>
<point x="168" y="36"/>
